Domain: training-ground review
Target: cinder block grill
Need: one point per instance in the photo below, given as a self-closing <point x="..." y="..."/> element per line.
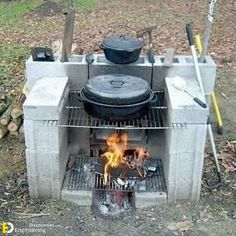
<point x="62" y="139"/>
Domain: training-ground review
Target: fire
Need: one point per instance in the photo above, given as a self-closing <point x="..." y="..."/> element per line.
<point x="115" y="155"/>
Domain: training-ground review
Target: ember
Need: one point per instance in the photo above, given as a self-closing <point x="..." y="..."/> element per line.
<point x="115" y="156"/>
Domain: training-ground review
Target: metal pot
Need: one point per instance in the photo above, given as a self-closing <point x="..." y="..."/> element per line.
<point x="116" y="112"/>
<point x="122" y="49"/>
<point x="117" y="97"/>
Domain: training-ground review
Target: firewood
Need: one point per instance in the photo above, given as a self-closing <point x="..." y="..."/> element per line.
<point x="6" y="116"/>
<point x="3" y="131"/>
<point x="14" y="124"/>
<point x="14" y="133"/>
<point x="25" y="90"/>
<point x="3" y="107"/>
<point x="3" y="96"/>
<point x="21" y="134"/>
<point x="17" y="109"/>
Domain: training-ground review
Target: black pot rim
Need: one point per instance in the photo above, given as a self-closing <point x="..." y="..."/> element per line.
<point x="85" y="99"/>
<point x="103" y="46"/>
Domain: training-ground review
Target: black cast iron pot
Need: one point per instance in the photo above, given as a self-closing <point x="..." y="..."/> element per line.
<point x="117" y="97"/>
<point x="122" y="49"/>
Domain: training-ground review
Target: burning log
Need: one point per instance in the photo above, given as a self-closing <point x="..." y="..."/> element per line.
<point x="14" y="124"/>
<point x="115" y="157"/>
<point x="3" y="131"/>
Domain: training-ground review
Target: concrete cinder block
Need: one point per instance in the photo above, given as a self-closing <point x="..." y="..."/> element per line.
<point x="46" y="163"/>
<point x="149" y="199"/>
<point x="141" y="68"/>
<point x="189" y="139"/>
<point x="44" y="137"/>
<point x="46" y="166"/>
<point x="184" y="166"/>
<point x="46" y="99"/>
<point x="76" y="69"/>
<point x="80" y="197"/>
<point x="183" y="66"/>
<point x="184" y="190"/>
<point x="44" y="187"/>
<point x="181" y="106"/>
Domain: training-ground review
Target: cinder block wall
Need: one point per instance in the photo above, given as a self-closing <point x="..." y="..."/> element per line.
<point x="184" y="148"/>
<point x="77" y="70"/>
<point x="46" y="144"/>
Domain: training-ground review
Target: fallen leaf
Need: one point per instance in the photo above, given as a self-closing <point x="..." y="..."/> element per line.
<point x="181" y="226"/>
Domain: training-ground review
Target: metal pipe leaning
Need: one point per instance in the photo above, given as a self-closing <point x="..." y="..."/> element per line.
<point x="199" y="79"/>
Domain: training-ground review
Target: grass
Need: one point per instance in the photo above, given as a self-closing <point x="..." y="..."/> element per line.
<point x="12" y="56"/>
<point x="14" y="10"/>
<point x="12" y="61"/>
<point x="11" y="13"/>
<point x="84" y="5"/>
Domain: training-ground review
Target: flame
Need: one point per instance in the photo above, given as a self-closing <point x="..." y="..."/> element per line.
<point x="115" y="156"/>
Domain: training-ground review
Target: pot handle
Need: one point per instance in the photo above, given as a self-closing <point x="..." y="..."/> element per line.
<point x="117" y="84"/>
<point x="80" y="99"/>
<point x="154" y="99"/>
<point x="102" y="46"/>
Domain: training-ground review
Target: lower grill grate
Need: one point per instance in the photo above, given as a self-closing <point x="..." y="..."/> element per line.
<point x="82" y="176"/>
<point x="79" y="179"/>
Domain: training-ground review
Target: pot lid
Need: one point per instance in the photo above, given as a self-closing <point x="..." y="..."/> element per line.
<point x="122" y="43"/>
<point x="117" y="89"/>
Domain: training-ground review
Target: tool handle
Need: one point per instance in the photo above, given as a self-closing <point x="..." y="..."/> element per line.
<point x="151" y="58"/>
<point x="189" y="34"/>
<point x="89" y="58"/>
<point x="200" y="102"/>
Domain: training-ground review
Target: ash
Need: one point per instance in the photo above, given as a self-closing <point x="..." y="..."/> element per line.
<point x="113" y="204"/>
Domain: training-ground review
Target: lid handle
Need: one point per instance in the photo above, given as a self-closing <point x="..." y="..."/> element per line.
<point x="116" y="84"/>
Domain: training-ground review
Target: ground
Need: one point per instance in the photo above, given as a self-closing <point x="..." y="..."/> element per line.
<point x="24" y="24"/>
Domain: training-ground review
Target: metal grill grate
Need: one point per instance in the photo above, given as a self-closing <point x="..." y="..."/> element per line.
<point x="156" y="118"/>
<point x="80" y="180"/>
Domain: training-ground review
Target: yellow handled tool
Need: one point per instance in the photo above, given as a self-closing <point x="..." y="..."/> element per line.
<point x="213" y="96"/>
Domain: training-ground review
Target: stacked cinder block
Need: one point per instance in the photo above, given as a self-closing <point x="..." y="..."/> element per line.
<point x="76" y="69"/>
<point x="184" y="147"/>
<point x="46" y="143"/>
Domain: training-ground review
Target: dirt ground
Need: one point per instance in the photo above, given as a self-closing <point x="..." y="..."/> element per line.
<point x="215" y="214"/>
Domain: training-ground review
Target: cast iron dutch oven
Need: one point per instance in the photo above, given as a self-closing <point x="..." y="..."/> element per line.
<point x="122" y="49"/>
<point x="117" y="97"/>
